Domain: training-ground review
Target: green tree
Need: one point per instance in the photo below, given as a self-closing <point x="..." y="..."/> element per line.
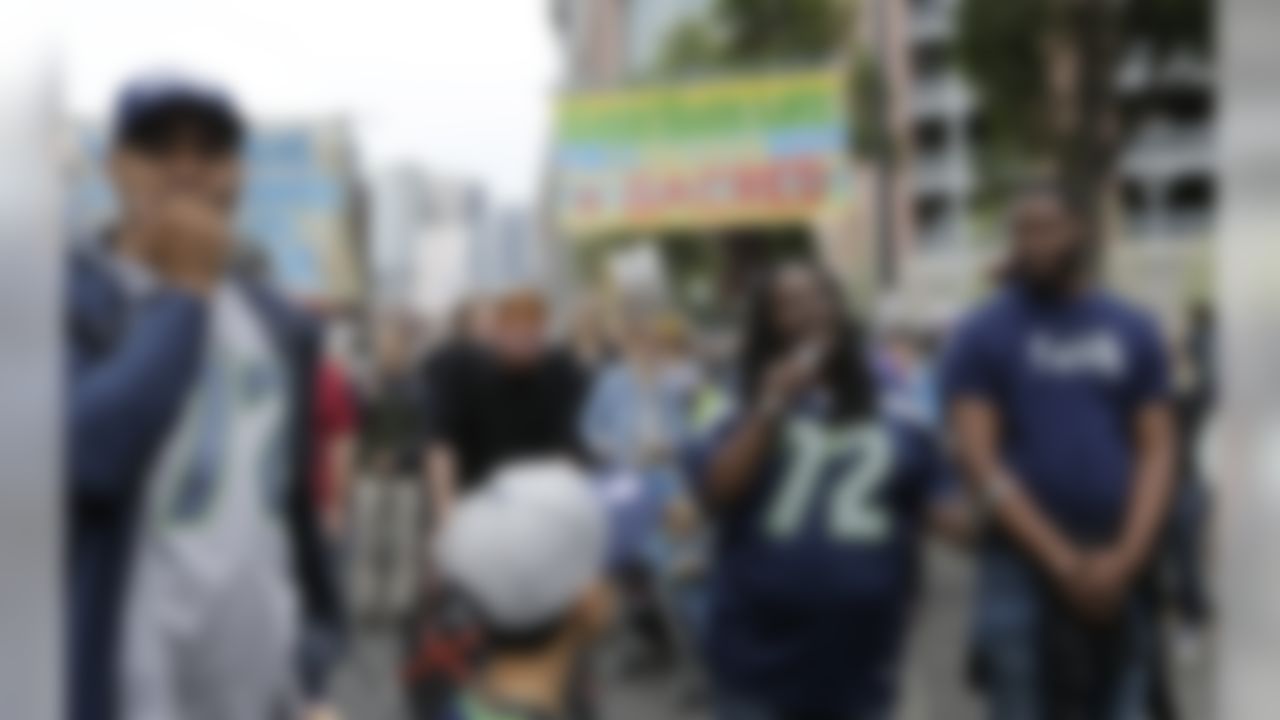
<point x="1046" y="72"/>
<point x="757" y="34"/>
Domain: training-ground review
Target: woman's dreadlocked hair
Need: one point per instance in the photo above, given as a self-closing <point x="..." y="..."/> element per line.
<point x="846" y="372"/>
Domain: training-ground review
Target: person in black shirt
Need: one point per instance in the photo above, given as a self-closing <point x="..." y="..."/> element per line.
<point x="509" y="397"/>
<point x="499" y="393"/>
<point x="393" y="403"/>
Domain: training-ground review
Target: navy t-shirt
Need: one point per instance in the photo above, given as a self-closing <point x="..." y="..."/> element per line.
<point x="815" y="567"/>
<point x="1067" y="379"/>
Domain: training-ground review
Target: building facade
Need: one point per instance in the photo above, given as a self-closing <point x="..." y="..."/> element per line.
<point x="1165" y="183"/>
<point x="437" y="241"/>
<point x="935" y="242"/>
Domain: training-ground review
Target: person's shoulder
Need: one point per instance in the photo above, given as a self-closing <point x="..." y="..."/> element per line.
<point x="87" y="267"/>
<point x="560" y="356"/>
<point x="81" y="259"/>
<point x="93" y="297"/>
<point x="456" y="361"/>
<point x="561" y="363"/>
<point x="269" y="296"/>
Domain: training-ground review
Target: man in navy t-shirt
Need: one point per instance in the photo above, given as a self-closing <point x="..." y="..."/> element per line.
<point x="1058" y="403"/>
<point x="818" y="501"/>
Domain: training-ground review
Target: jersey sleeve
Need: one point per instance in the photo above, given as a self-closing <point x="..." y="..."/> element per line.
<point x="1148" y="379"/>
<point x="701" y="450"/>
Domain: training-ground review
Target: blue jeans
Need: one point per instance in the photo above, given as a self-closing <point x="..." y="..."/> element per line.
<point x="1037" y="659"/>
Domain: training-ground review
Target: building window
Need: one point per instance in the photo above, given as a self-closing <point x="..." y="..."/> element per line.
<point x="931" y="220"/>
<point x="932" y="62"/>
<point x="931" y="137"/>
<point x="1191" y="195"/>
<point x="1187" y="106"/>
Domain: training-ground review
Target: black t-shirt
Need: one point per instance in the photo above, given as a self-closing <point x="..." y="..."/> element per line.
<point x="490" y="413"/>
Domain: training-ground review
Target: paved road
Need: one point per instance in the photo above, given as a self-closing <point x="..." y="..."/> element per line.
<point x="933" y="687"/>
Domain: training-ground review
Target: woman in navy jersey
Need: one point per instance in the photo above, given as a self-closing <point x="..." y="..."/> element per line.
<point x="819" y="501"/>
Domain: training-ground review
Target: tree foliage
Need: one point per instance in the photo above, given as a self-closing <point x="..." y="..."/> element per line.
<point x="746" y="35"/>
<point x="1002" y="55"/>
<point x="1046" y="74"/>
<point x="756" y="34"/>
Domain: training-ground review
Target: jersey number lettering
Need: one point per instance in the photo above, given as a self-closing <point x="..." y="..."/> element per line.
<point x="853" y="515"/>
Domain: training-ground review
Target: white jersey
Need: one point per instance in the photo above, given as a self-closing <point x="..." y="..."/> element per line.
<point x="211" y="625"/>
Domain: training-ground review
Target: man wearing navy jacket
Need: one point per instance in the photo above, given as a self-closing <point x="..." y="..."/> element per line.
<point x="199" y="586"/>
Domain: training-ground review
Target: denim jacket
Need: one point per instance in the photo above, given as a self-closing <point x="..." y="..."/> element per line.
<point x="624" y="413"/>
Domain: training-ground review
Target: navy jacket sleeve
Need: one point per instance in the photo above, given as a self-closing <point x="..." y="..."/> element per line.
<point x="123" y="399"/>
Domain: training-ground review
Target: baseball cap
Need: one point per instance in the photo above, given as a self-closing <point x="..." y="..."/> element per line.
<point x="148" y="105"/>
<point x="526" y="545"/>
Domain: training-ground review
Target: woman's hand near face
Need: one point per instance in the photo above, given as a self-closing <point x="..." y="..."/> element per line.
<point x="790" y="374"/>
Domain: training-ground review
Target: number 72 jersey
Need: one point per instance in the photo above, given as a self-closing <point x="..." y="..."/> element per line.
<point x="814" y="568"/>
<point x="836" y="511"/>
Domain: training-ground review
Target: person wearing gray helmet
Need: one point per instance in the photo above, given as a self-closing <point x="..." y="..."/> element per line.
<point x="528" y="551"/>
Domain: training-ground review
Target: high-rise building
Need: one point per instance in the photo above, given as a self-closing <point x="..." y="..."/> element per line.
<point x="1168" y="175"/>
<point x="507" y="253"/>
<point x="397" y="209"/>
<point x="426" y="231"/>
<point x="437" y="241"/>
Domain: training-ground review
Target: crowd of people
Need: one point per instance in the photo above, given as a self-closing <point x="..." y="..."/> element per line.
<point x="748" y="503"/>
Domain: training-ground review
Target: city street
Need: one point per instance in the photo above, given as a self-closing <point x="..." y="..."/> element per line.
<point x="892" y="358"/>
<point x="934" y="687"/>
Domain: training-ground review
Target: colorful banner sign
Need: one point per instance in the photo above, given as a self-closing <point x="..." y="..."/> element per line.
<point x="765" y="149"/>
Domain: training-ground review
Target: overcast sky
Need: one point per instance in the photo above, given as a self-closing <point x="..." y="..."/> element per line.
<point x="463" y="87"/>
